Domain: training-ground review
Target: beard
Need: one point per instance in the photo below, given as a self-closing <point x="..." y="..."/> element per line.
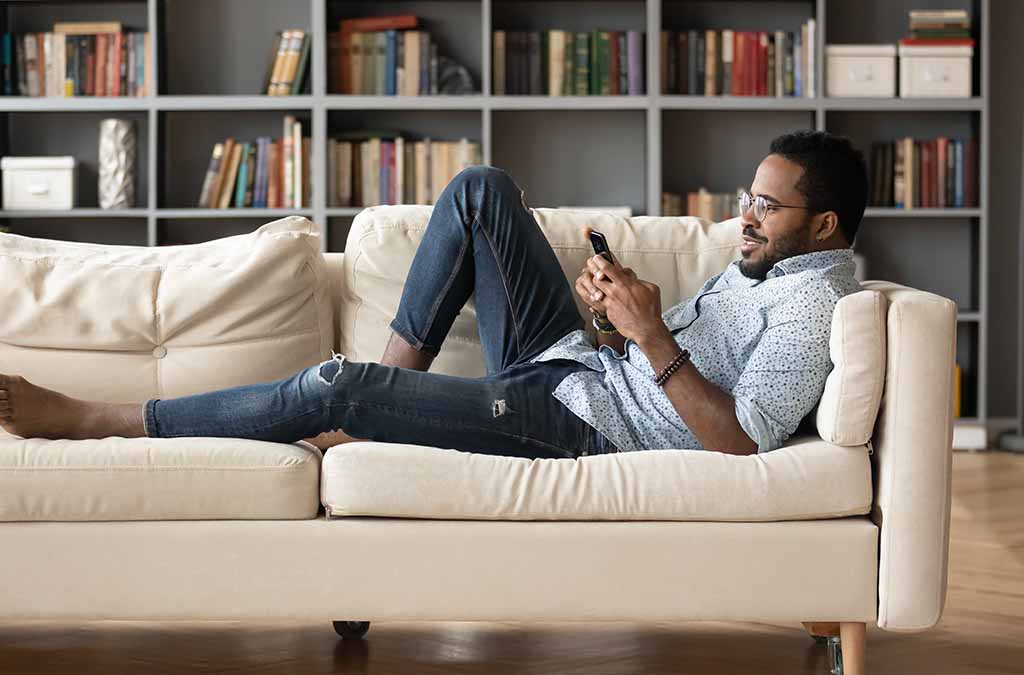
<point x="783" y="247"/>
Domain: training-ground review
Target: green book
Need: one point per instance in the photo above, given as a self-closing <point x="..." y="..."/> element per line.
<point x="300" y="72"/>
<point x="568" y="87"/>
<point x="582" y="64"/>
<point x="593" y="83"/>
<point x="243" y="172"/>
<point x="604" y="60"/>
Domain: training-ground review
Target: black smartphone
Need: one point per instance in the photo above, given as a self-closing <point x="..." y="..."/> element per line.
<point x="600" y="244"/>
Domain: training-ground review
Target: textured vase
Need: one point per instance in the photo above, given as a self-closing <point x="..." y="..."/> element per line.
<point x="117" y="164"/>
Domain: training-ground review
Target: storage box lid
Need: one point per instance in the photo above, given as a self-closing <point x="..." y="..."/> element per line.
<point x="66" y="162"/>
<point x="860" y="50"/>
<point x="936" y="50"/>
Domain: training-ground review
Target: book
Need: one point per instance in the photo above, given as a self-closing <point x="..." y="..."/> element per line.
<point x="302" y="69"/>
<point x="348" y="27"/>
<point x="211" y="176"/>
<point x="298" y="176"/>
<point x="230" y="176"/>
<point x="87" y="27"/>
<point x="273" y="69"/>
<point x="243" y="176"/>
<point x="498" y="64"/>
<point x="248" y="187"/>
<point x="274" y="175"/>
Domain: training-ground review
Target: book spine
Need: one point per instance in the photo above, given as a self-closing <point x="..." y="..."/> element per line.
<point x="250" y="176"/>
<point x="288" y="189"/>
<point x="682" y="56"/>
<point x="569" y="71"/>
<point x="243" y="175"/>
<point x="424" y="82"/>
<point x="498" y="63"/>
<point x="297" y="177"/>
<point x="613" y="62"/>
<point x="582" y="63"/>
<point x="727" y="61"/>
<point x="634" y="40"/>
<point x="211" y="174"/>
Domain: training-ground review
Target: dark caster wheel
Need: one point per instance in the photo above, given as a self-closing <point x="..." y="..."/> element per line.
<point x="351" y="630"/>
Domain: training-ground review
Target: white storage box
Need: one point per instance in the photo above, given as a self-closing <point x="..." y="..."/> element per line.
<point x="939" y="71"/>
<point x="860" y="70"/>
<point x="39" y="182"/>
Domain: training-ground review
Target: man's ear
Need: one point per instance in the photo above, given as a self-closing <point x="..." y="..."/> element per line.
<point x="828" y="225"/>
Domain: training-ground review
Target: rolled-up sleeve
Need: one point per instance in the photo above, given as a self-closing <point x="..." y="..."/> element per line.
<point x="784" y="377"/>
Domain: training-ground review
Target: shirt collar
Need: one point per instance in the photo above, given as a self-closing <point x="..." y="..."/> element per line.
<point x="816" y="260"/>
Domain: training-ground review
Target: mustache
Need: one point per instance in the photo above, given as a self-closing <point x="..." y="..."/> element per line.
<point x="749" y="232"/>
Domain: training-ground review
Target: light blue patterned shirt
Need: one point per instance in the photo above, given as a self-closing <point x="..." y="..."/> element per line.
<point x="763" y="342"/>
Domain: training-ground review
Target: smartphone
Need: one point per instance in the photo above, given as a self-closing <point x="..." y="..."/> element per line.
<point x="600" y="244"/>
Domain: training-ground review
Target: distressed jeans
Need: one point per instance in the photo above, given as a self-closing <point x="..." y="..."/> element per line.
<point x="481" y="240"/>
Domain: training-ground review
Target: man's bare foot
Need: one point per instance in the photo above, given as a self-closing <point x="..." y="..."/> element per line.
<point x="30" y="411"/>
<point x="329" y="439"/>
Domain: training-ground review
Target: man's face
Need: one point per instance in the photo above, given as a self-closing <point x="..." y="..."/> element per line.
<point x="784" y="232"/>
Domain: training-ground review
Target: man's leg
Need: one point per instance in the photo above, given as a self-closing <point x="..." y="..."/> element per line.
<point x="508" y="413"/>
<point x="483" y="241"/>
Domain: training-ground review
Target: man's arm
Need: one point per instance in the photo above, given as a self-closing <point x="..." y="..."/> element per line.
<point x="634" y="306"/>
<point x="708" y="412"/>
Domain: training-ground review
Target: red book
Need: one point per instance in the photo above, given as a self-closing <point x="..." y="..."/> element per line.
<point x="752" y="63"/>
<point x="116" y="88"/>
<point x="613" y="71"/>
<point x="929" y="42"/>
<point x="762" y="63"/>
<point x="101" y="64"/>
<point x="90" y="65"/>
<point x="368" y="23"/>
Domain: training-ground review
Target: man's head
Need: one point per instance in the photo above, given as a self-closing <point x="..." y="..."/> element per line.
<point x="823" y="175"/>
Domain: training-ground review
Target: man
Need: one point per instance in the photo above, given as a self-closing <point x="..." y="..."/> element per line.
<point x="733" y="369"/>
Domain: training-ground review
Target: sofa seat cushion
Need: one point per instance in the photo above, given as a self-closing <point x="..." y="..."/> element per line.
<point x="807" y="478"/>
<point x="156" y="479"/>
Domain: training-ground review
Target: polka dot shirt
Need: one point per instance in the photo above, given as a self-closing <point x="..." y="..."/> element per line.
<point x="765" y="342"/>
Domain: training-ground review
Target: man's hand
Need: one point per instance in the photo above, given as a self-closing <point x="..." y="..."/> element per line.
<point x="633" y="305"/>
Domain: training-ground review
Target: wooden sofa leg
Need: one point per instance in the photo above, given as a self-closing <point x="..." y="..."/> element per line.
<point x="821" y="630"/>
<point x="852" y="636"/>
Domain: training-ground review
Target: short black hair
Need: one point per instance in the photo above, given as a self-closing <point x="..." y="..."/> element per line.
<point x="835" y="175"/>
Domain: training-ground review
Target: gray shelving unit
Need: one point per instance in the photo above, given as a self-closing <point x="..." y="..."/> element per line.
<point x="210" y="56"/>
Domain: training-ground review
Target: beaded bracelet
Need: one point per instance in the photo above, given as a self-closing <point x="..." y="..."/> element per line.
<point x="682" y="357"/>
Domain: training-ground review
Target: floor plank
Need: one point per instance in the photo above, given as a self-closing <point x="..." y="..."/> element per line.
<point x="981" y="633"/>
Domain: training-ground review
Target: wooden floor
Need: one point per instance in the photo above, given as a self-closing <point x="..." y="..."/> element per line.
<point x="981" y="632"/>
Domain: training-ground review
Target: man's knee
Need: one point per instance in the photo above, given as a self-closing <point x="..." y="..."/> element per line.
<point x="490" y="176"/>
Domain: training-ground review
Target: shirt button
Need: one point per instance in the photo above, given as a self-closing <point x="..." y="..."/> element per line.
<point x="159" y="352"/>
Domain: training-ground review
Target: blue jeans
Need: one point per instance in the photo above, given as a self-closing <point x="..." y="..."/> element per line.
<point x="482" y="241"/>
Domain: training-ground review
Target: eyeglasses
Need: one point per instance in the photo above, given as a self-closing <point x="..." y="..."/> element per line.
<point x="762" y="205"/>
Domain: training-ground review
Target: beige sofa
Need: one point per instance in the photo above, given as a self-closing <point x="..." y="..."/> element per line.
<point x="846" y="524"/>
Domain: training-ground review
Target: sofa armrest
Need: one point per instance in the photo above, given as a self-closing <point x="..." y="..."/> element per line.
<point x="913" y="458"/>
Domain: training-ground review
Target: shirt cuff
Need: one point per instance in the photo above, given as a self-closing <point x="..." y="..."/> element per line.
<point x="756" y="426"/>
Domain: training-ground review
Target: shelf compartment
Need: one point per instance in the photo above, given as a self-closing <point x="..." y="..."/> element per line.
<point x="338" y="228"/>
<point x="405" y="102"/>
<point x="887" y="22"/>
<point x="117" y="231"/>
<point x="236" y="35"/>
<point x="179" y="231"/>
<point x="967" y="356"/>
<point x="720" y="150"/>
<point x="439" y="125"/>
<point x="76" y="213"/>
<point x="563" y="158"/>
<point x="745" y="103"/>
<point x="567" y="102"/>
<point x="185" y="161"/>
<point x="903" y="104"/>
<point x="77" y="134"/>
<point x="889" y="212"/>
<point x="939" y="256"/>
<point x="455" y="25"/>
<point x="269" y="214"/>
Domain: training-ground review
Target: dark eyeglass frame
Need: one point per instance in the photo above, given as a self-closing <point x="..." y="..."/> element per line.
<point x="762" y="205"/>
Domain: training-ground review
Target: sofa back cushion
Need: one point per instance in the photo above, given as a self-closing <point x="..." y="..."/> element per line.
<point x="677" y="253"/>
<point x="126" y="323"/>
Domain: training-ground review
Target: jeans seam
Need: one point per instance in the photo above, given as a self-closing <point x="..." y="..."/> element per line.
<point x="149" y="420"/>
<point x="447" y="286"/>
<point x="504" y="284"/>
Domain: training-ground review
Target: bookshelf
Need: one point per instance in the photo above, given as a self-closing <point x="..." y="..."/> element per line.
<point x="562" y="150"/>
